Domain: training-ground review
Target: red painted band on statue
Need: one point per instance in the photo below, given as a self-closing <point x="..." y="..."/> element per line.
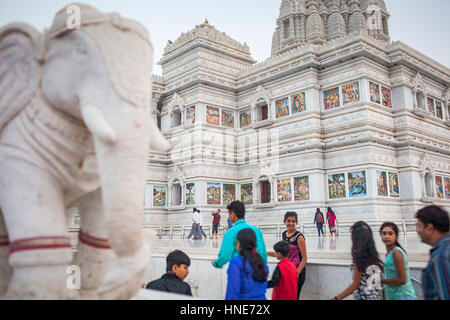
<point x="4" y="241"/>
<point x="93" y="241"/>
<point x="40" y="243"/>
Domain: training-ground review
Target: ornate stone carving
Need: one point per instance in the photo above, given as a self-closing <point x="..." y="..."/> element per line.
<point x="176" y="101"/>
<point x="264" y="171"/>
<point x="447" y="106"/>
<point x="208" y="32"/>
<point x="177" y="176"/>
<point x="427" y="174"/>
<point x="419" y="96"/>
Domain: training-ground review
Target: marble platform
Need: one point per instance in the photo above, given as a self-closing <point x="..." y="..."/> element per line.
<point x="328" y="267"/>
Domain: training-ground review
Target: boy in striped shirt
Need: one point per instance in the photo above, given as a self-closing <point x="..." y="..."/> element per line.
<point x="433" y="229"/>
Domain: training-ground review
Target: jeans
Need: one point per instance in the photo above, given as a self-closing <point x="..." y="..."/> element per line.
<point x="203" y="232"/>
<point x="301" y="282"/>
<point x="320" y="229"/>
<point x="195" y="231"/>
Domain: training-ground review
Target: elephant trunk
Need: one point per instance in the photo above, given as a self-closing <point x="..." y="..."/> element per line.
<point x="123" y="137"/>
<point x="122" y="142"/>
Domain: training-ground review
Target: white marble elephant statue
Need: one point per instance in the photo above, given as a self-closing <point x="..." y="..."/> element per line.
<point x="75" y="128"/>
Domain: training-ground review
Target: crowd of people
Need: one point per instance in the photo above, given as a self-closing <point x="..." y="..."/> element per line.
<point x="244" y="250"/>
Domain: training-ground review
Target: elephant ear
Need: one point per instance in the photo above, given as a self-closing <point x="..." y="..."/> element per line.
<point x="19" y="68"/>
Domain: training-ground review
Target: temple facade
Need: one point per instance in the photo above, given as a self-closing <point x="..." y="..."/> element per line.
<point x="339" y="116"/>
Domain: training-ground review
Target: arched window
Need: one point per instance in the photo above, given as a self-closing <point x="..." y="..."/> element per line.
<point x="287" y="28"/>
<point x="262" y="111"/>
<point x="420" y="100"/>
<point x="176" y="111"/>
<point x="176" y="194"/>
<point x="420" y="96"/>
<point x="385" y="26"/>
<point x="429" y="184"/>
<point x="261" y="107"/>
<point x="176" y="118"/>
<point x="264" y="187"/>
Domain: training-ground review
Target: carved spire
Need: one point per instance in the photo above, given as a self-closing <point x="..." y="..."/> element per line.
<point x="336" y="24"/>
<point x="315" y="28"/>
<point x="357" y="21"/>
<point x="318" y="21"/>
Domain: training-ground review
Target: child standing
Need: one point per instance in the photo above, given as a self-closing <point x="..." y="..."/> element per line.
<point x="297" y="253"/>
<point x="397" y="282"/>
<point x="284" y="278"/>
<point x="177" y="267"/>
<point x="366" y="266"/>
<point x="247" y="273"/>
<point x="216" y="222"/>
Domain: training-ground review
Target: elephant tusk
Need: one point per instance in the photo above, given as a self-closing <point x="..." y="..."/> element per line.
<point x="98" y="125"/>
<point x="158" y="142"/>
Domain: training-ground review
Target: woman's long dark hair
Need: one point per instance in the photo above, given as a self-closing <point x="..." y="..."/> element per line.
<point x="247" y="240"/>
<point x="331" y="211"/>
<point x="364" y="252"/>
<point x="396" y="231"/>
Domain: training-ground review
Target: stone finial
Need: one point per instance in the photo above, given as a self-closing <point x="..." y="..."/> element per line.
<point x="312" y="3"/>
<point x="354" y="5"/>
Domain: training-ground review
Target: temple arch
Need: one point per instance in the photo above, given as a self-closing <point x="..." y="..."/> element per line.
<point x="260" y="105"/>
<point x="419" y="96"/>
<point x="176" y="109"/>
<point x="176" y="190"/>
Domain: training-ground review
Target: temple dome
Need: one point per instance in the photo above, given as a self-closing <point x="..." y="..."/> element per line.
<point x="318" y="21"/>
<point x="207" y="33"/>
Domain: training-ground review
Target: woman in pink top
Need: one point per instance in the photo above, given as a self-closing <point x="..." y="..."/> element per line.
<point x="331" y="216"/>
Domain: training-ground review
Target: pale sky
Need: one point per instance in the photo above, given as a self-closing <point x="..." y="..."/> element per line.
<point x="421" y="24"/>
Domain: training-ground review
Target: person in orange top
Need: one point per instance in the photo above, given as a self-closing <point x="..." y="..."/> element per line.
<point x="284" y="278"/>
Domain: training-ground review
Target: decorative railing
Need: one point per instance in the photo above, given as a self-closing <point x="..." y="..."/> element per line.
<point x="269" y="230"/>
<point x="275" y="230"/>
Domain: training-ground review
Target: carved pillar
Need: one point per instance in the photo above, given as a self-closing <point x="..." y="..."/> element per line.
<point x="447" y="108"/>
<point x="183" y="194"/>
<point x="256" y="189"/>
<point x="271" y="189"/>
<point x="169" y="195"/>
<point x="183" y="115"/>
<point x="302" y="27"/>
<point x="253" y="113"/>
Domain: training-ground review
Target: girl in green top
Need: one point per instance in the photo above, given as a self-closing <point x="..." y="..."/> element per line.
<point x="397" y="282"/>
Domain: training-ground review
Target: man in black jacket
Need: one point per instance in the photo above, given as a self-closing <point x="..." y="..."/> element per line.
<point x="177" y="270"/>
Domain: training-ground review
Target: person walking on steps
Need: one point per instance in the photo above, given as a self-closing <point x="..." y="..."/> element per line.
<point x="332" y="220"/>
<point x="195" y="230"/>
<point x="319" y="221"/>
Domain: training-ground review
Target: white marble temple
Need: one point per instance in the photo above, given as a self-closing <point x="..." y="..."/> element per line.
<point x="311" y="54"/>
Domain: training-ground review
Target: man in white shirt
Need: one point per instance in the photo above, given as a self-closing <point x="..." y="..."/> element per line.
<point x="200" y="225"/>
<point x="195" y="230"/>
